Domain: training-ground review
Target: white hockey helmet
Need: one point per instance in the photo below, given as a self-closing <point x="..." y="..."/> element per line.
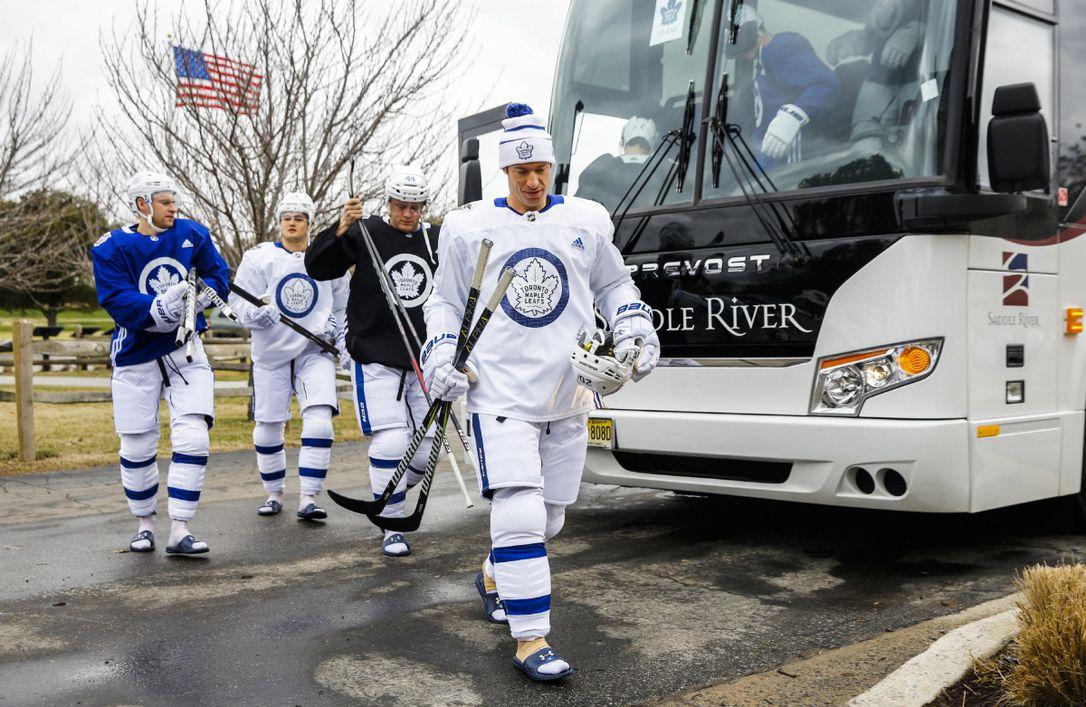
<point x="598" y="366"/>
<point x="644" y="128"/>
<point x="144" y="185"/>
<point x="407" y="183"/>
<point x="296" y="202"/>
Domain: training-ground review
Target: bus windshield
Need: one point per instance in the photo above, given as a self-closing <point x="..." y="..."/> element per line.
<point x="819" y="93"/>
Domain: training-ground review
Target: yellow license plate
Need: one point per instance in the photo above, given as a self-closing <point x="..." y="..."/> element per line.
<point x="601" y="432"/>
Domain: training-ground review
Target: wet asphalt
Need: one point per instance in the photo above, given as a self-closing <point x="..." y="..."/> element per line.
<point x="654" y="593"/>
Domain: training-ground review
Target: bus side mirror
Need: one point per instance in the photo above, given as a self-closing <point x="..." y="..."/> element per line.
<point x="1018" y="150"/>
<point x="471" y="178"/>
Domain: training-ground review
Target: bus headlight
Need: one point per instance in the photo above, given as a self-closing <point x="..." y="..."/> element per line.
<point x="844" y="382"/>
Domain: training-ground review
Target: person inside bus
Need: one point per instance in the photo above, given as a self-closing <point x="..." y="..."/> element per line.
<point x="878" y="66"/>
<point x="791" y="91"/>
<point x="608" y="177"/>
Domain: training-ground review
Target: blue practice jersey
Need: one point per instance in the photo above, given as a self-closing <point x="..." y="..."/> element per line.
<point x="130" y="269"/>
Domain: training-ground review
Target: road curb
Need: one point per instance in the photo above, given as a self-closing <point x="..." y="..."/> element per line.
<point x="922" y="678"/>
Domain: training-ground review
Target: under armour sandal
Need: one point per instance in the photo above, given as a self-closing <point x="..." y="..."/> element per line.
<point x="271" y="507"/>
<point x="491" y="603"/>
<point x="312" y="512"/>
<point x="144" y="536"/>
<point x="187" y="546"/>
<point x="531" y="665"/>
<point x="395" y="539"/>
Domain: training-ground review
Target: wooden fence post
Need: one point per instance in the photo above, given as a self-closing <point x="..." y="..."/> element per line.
<point x="23" y="337"/>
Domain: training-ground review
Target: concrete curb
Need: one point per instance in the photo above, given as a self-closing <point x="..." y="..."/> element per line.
<point x="922" y="678"/>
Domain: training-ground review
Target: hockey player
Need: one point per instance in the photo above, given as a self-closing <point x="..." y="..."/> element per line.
<point x="528" y="413"/>
<point x="286" y="363"/>
<point x="140" y="272"/>
<point x="389" y="400"/>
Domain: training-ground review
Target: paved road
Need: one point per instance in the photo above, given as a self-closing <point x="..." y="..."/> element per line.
<point x="654" y="593"/>
<point x="94" y="382"/>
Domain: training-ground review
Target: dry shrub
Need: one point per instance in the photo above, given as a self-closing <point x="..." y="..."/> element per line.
<point x="1051" y="648"/>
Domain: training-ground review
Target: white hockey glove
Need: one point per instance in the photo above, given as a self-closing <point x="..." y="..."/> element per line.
<point x="783" y="131"/>
<point x="168" y="307"/>
<point x="900" y="46"/>
<point x="637" y="332"/>
<point x="442" y="380"/>
<point x="264" y="317"/>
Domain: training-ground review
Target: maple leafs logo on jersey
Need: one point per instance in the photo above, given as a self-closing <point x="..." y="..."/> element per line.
<point x="534" y="289"/>
<point x="297" y="295"/>
<point x="162" y="280"/>
<point x="408" y="280"/>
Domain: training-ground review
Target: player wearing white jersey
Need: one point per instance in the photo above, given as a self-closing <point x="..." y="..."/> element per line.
<point x="389" y="400"/>
<point x="528" y="413"/>
<point x="140" y="273"/>
<point x="284" y="362"/>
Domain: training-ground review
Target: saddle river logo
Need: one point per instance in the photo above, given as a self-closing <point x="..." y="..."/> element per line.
<point x="1016" y="286"/>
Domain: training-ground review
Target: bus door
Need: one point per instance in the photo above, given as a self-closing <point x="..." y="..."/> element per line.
<point x="480" y="177"/>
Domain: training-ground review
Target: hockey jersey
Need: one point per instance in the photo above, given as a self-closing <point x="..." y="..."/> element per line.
<point x="410" y="259"/>
<point x="564" y="258"/>
<point x="131" y="269"/>
<point x="272" y="270"/>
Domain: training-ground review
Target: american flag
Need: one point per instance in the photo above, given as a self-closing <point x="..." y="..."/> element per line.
<point x="209" y="81"/>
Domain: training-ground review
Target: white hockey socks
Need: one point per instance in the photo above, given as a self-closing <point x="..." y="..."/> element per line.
<point x="316" y="453"/>
<point x="139" y="472"/>
<point x="191" y="447"/>
<point x="271" y="460"/>
<point x="387" y="447"/>
<point x="518" y="521"/>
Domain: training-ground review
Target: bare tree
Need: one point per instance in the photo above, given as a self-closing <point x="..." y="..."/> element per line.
<point x="339" y="80"/>
<point x="34" y="118"/>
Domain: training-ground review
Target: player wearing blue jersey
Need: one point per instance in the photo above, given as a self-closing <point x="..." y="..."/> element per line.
<point x="285" y="363"/>
<point x="139" y="272"/>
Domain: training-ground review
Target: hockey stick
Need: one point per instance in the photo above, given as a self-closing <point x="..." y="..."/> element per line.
<point x="285" y="320"/>
<point x="395" y="304"/>
<point x="413" y="521"/>
<point x="216" y="301"/>
<point x="372" y="508"/>
<point x="187" y="331"/>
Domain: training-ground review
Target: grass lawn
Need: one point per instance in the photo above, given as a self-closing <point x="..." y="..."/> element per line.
<point x="81" y="435"/>
<point x="91" y="316"/>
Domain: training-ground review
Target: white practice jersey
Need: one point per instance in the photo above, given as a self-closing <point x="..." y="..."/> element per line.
<point x="564" y="259"/>
<point x="270" y="269"/>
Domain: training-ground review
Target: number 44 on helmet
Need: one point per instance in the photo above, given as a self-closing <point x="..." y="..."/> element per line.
<point x="599" y="367"/>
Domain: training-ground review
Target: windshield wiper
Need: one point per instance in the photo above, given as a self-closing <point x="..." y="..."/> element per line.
<point x="686" y="138"/>
<point x="690" y="27"/>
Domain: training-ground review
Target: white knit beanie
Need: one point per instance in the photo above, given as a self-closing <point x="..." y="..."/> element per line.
<point x="525" y="138"/>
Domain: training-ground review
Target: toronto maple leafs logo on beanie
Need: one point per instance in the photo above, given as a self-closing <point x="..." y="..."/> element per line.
<point x="524" y="139"/>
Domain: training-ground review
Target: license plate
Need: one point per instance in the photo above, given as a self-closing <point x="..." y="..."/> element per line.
<point x="601" y="432"/>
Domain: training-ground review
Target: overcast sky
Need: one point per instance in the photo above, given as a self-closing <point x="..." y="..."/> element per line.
<point x="69" y="32"/>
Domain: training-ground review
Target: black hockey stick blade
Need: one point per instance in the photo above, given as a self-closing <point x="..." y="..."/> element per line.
<point x="412" y="522"/>
<point x="351" y="504"/>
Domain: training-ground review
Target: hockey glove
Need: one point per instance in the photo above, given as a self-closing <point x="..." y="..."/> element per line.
<point x="442" y="380"/>
<point x="264" y="317"/>
<point x="637" y="333"/>
<point x="783" y="131"/>
<point x="900" y="46"/>
<point x="168" y="307"/>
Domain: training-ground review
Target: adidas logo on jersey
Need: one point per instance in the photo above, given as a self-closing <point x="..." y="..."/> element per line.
<point x="187" y="243"/>
<point x="578" y="243"/>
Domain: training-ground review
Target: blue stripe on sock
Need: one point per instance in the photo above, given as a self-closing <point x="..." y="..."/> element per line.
<point x="273" y="449"/>
<point x="384" y="463"/>
<point x="142" y="495"/>
<point x="518" y="552"/>
<point x="527" y="607"/>
<point x="320" y="442"/>
<point x="273" y="475"/>
<point x="312" y="473"/>
<point x="130" y="464"/>
<point x="394" y="498"/>
<point x="182" y="494"/>
<point x="189" y="459"/>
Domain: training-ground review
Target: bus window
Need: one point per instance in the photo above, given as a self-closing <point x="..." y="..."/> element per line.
<point x="827" y="94"/>
<point x="1019" y="49"/>
<point x="622" y="87"/>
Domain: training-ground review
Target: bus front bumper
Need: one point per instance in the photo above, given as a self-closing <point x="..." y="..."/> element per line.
<point x="907" y="465"/>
